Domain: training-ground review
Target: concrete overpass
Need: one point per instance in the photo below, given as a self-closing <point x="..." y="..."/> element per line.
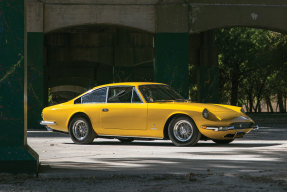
<point x="151" y="39"/>
<point x="84" y="43"/>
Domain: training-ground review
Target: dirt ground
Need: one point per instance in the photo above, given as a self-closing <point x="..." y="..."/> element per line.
<point x="257" y="162"/>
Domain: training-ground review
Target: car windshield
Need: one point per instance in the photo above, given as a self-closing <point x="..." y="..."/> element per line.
<point x="159" y="93"/>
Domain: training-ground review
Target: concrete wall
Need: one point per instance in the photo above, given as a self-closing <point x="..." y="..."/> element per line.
<point x="207" y="17"/>
<point x="157" y="15"/>
<point x="162" y="19"/>
<point x="50" y="15"/>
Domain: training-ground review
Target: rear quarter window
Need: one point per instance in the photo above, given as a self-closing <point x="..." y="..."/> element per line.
<point x="95" y="96"/>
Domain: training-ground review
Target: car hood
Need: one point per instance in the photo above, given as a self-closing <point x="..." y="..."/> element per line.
<point x="217" y="107"/>
<point x="218" y="111"/>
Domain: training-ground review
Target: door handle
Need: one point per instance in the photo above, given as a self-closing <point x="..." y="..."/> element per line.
<point x="105" y="110"/>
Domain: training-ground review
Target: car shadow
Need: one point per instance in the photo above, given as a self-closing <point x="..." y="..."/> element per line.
<point x="42" y="133"/>
<point x="127" y="144"/>
<point x="169" y="144"/>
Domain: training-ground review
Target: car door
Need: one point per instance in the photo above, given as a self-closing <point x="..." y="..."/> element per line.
<point x="91" y="103"/>
<point x="124" y="109"/>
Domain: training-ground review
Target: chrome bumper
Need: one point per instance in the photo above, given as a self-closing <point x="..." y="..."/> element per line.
<point x="256" y="127"/>
<point x="47" y="123"/>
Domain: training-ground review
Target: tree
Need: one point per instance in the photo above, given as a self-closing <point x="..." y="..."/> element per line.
<point x="252" y="65"/>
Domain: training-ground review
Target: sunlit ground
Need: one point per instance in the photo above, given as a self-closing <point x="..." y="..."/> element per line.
<point x="257" y="162"/>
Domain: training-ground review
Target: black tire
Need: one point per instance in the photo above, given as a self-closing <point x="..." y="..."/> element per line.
<point x="125" y="140"/>
<point x="189" y="134"/>
<point x="81" y="130"/>
<point x="223" y="142"/>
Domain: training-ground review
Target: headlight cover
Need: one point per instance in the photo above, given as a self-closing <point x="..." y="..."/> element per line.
<point x="205" y="113"/>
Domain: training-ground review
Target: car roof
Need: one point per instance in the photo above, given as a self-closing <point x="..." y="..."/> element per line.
<point x="129" y="83"/>
<point x="117" y="84"/>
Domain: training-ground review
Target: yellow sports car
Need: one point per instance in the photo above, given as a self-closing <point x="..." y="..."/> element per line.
<point x="129" y="111"/>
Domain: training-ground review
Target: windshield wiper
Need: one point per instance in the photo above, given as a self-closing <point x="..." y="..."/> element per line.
<point x="162" y="101"/>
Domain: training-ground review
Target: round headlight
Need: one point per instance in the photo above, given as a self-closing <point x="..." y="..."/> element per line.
<point x="242" y="110"/>
<point x="205" y="113"/>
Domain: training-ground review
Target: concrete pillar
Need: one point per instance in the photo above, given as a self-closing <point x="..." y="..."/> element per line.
<point x="35" y="45"/>
<point x="15" y="155"/>
<point x="171" y="46"/>
<point x="171" y="62"/>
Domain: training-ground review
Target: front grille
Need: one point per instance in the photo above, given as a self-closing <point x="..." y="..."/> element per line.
<point x="242" y="125"/>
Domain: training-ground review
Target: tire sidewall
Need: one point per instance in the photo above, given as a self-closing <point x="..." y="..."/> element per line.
<point x="192" y="141"/>
<point x="91" y="134"/>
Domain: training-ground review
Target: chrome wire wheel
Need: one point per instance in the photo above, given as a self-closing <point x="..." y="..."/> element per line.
<point x="183" y="130"/>
<point x="80" y="129"/>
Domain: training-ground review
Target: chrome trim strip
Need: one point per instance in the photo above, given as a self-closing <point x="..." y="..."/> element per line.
<point x="140" y="95"/>
<point x="132" y="95"/>
<point x="107" y="94"/>
<point x="47" y="123"/>
<point x="256" y="127"/>
<point x="212" y="128"/>
<point x="134" y="89"/>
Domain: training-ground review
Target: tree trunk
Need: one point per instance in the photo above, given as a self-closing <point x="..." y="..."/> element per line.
<point x="250" y="100"/>
<point x="284" y="103"/>
<point x="269" y="104"/>
<point x="280" y="102"/>
<point x="235" y="84"/>
<point x="259" y="93"/>
<point x="257" y="106"/>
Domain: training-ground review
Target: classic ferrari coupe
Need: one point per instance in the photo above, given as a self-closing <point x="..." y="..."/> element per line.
<point x="129" y="111"/>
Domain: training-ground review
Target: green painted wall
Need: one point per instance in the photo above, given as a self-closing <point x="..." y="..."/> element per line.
<point x="15" y="155"/>
<point x="171" y="61"/>
<point x="35" y="78"/>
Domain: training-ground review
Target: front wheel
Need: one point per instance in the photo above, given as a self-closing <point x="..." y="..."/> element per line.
<point x="81" y="131"/>
<point x="182" y="131"/>
<point x="222" y="142"/>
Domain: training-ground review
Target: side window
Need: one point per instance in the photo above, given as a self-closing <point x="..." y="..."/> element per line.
<point x="136" y="98"/>
<point x="120" y="94"/>
<point x="96" y="96"/>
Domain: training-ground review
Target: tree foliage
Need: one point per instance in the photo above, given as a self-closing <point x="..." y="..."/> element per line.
<point x="253" y="67"/>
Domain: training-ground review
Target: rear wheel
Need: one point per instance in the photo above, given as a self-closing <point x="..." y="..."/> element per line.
<point x="81" y="131"/>
<point x="126" y="140"/>
<point x="182" y="131"/>
<point x="222" y="142"/>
